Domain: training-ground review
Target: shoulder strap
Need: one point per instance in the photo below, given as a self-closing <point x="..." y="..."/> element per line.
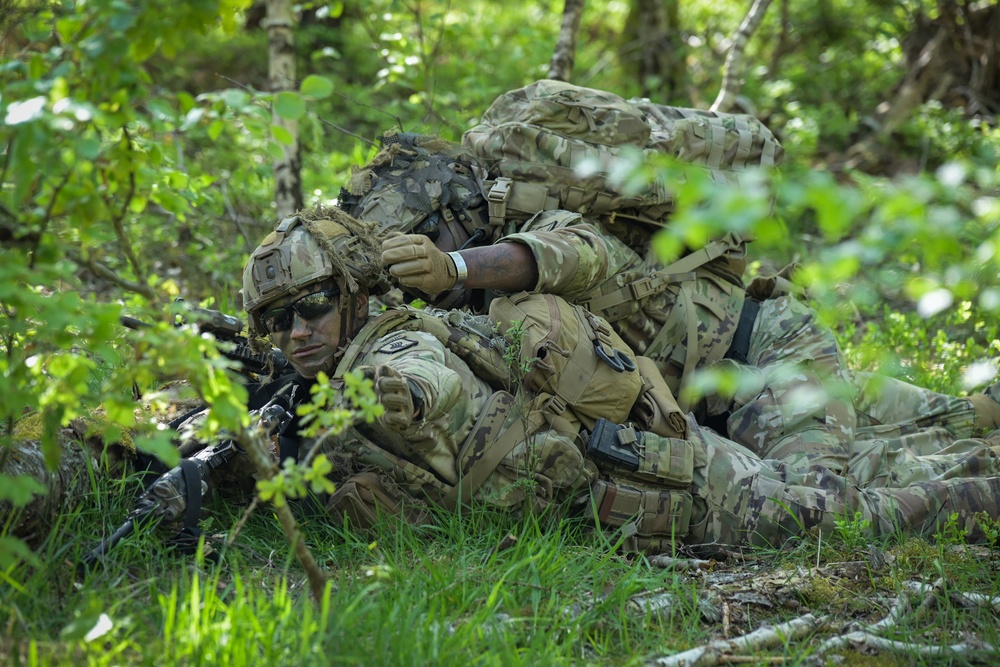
<point x="679" y="271"/>
<point x="371" y="331"/>
<point x="520" y="422"/>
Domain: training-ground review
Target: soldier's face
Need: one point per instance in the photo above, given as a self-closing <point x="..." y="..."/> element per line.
<point x="314" y="334"/>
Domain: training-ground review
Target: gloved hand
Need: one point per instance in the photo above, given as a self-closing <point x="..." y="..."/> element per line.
<point x="394" y="394"/>
<point x="416" y="262"/>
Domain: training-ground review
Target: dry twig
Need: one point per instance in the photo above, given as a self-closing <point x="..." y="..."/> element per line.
<point x="671" y="563"/>
<point x="724" y="650"/>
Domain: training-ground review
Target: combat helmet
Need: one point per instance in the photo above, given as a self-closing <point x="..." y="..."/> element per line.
<point x="417" y="183"/>
<point x="306" y="248"/>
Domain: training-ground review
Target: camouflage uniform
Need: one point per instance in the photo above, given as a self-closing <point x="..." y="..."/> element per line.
<point x="701" y="489"/>
<point x="794" y="403"/>
<point x="464" y="422"/>
<point x="461" y="417"/>
<point x="740" y="499"/>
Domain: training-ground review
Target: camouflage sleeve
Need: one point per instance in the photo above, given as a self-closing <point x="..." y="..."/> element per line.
<point x="574" y="256"/>
<point x="420" y="358"/>
<point x="452" y="398"/>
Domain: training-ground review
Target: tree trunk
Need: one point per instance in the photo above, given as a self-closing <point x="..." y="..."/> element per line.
<point x="660" y="62"/>
<point x="733" y="70"/>
<point x="561" y="66"/>
<point x="287" y="168"/>
<point x="951" y="58"/>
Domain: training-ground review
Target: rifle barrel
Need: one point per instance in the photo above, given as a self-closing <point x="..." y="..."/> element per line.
<point x="108" y="543"/>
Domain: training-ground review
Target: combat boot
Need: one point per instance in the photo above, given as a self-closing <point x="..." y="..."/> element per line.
<point x="987" y="407"/>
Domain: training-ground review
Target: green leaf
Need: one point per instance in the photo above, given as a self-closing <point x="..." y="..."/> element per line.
<point x="13" y="549"/>
<point x="178" y="180"/>
<point x="282" y="134"/>
<point x="275" y="151"/>
<point x="161" y="446"/>
<point x="19" y="490"/>
<point x="88" y="148"/>
<point x="235" y="99"/>
<point x="215" y="129"/>
<point x="289" y="105"/>
<point x="316" y="87"/>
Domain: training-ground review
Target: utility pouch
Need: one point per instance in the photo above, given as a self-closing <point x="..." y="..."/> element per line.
<point x="604" y="446"/>
<point x="652" y="520"/>
<point x="643" y="455"/>
<point x="571" y="354"/>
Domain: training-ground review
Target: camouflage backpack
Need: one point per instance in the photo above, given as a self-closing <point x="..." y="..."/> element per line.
<point x="553" y="145"/>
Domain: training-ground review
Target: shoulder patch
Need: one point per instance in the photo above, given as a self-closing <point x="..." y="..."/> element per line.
<point x="396" y="344"/>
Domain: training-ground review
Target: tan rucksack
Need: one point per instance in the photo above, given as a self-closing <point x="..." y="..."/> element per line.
<point x="554" y="145"/>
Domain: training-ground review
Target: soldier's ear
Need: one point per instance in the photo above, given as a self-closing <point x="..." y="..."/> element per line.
<point x="361" y="311"/>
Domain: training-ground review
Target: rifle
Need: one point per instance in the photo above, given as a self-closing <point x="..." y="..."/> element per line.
<point x="229" y="329"/>
<point x="179" y="492"/>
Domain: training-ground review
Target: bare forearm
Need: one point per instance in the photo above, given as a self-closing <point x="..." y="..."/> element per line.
<point x="506" y="267"/>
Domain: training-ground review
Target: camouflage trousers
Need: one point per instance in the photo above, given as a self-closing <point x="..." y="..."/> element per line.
<point x="795" y="402"/>
<point x="799" y="403"/>
<point x="887" y="407"/>
<point x="740" y="499"/>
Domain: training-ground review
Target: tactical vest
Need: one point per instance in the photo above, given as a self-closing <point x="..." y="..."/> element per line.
<point x="586" y="372"/>
<point x="505" y="424"/>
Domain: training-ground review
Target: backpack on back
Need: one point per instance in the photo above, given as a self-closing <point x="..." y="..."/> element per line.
<point x="555" y="145"/>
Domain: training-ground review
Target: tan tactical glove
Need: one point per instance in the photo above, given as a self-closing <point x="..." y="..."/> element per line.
<point x="394" y="394"/>
<point x="416" y="262"/>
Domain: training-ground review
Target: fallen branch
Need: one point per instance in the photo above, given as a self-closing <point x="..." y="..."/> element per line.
<point x="675" y="564"/>
<point x="861" y="638"/>
<point x="663" y="604"/>
<point x="865" y="635"/>
<point x="724" y="650"/>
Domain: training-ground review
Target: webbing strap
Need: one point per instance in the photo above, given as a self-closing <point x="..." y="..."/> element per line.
<point x="476" y="475"/>
<point x="718" y="141"/>
<point x="679" y="271"/>
<point x="496" y="201"/>
<point x="505" y="194"/>
<point x="372" y="330"/>
<point x="741" y="339"/>
<point x="636" y="291"/>
<point x="691" y="351"/>
<point x="192" y="492"/>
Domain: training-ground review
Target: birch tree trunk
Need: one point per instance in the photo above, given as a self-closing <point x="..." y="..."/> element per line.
<point x="561" y="66"/>
<point x="733" y="69"/>
<point x="281" y="75"/>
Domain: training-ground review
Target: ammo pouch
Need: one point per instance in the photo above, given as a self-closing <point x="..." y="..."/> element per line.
<point x="656" y="409"/>
<point x="645" y="485"/>
<point x="360" y="499"/>
<point x="571" y="354"/>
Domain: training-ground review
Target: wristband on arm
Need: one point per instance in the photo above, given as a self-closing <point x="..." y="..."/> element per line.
<point x="461" y="269"/>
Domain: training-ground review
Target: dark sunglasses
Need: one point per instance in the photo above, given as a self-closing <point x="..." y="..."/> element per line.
<point x="308" y="307"/>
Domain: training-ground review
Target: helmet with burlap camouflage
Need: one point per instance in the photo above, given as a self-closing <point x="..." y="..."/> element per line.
<point x="309" y="247"/>
<point x="417" y="183"/>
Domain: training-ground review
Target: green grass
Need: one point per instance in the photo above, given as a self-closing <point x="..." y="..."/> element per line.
<point x="444" y="595"/>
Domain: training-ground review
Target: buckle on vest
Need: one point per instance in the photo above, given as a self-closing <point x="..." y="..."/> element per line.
<point x="496" y="200"/>
<point x="500" y="192"/>
<point x="641" y="288"/>
<point x="553" y="405"/>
